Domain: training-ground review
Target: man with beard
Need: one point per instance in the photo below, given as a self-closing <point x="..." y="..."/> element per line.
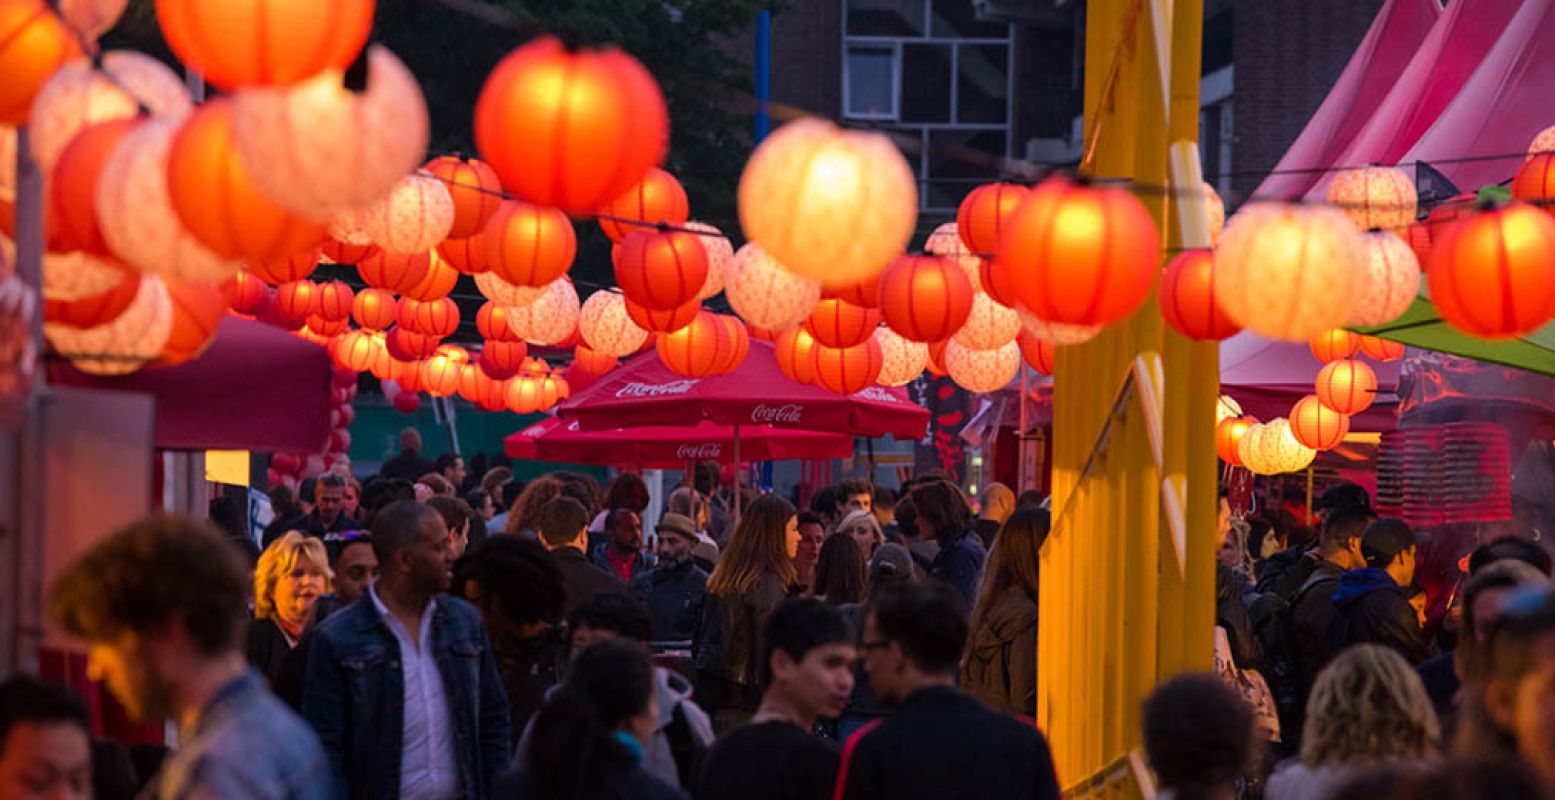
<point x="674" y="591"/>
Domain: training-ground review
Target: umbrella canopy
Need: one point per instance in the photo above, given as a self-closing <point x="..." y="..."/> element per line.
<point x="669" y="447"/>
<point x="1421" y="326"/>
<point x="644" y="392"/>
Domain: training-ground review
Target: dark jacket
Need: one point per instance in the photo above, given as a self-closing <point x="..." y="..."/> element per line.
<point x="529" y="668"/>
<point x="674" y="594"/>
<point x="641" y="561"/>
<point x="408" y="465"/>
<point x="729" y="645"/>
<point x="583" y="580"/>
<point x="986" y="529"/>
<point x="1311" y="617"/>
<point x="1231" y="613"/>
<point x="960" y="564"/>
<point x="267" y="649"/>
<point x="1285" y="572"/>
<point x="310" y="524"/>
<point x="941" y="743"/>
<point x="1370" y="607"/>
<point x="354" y="699"/>
<point x="621" y="783"/>
<point x="1001" y="659"/>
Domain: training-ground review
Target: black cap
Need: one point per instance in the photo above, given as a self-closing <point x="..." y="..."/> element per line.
<point x="1343" y="495"/>
<point x="1384" y="540"/>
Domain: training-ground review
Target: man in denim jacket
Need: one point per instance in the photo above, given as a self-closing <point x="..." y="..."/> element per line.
<point x="402" y="686"/>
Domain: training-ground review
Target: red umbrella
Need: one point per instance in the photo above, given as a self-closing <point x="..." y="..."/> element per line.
<point x="669" y="447"/>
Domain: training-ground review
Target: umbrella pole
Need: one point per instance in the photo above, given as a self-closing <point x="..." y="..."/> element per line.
<point x="737" y="492"/>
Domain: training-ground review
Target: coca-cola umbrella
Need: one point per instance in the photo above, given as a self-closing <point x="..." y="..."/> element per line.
<point x="669" y="447"/>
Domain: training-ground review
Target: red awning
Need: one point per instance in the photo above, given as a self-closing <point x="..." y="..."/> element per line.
<point x="670" y="447"/>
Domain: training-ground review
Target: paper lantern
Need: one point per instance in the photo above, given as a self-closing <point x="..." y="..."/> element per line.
<point x="1374" y="197"/>
<point x="374" y="309"/>
<point x="492" y="322"/>
<point x="838" y="323"/>
<point x="1039" y="354"/>
<point x="936" y="365"/>
<point x="607" y="327"/>
<point x="335" y="301"/>
<point x="473" y="186"/>
<point x="738" y="340"/>
<point x="501" y="360"/>
<point x="592" y="361"/>
<point x="1418" y="235"/>
<point x="525" y="395"/>
<point x="413" y="217"/>
<point x="1317" y="426"/>
<point x="1289" y="272"/>
<point x="794" y="352"/>
<point x="925" y="298"/>
<point x="319" y="148"/>
<point x="848" y="370"/>
<point x="693" y="351"/>
<point x="72" y="192"/>
<point x="439" y="281"/>
<point x="946" y="242"/>
<point x="528" y="245"/>
<point x="864" y="293"/>
<point x="763" y="293"/>
<point x="92" y="18"/>
<point x="1271" y="449"/>
<point x="1390" y="280"/>
<point x="1056" y="332"/>
<point x="396" y="272"/>
<point x="1080" y="255"/>
<point x="283" y="270"/>
<point x="985" y="214"/>
<point x="72" y="276"/>
<point x="357" y="350"/>
<point x="720" y="253"/>
<point x="1492" y="275"/>
<point x="655" y="321"/>
<point x="1187" y="298"/>
<point x="1334" y="344"/>
<point x="1226" y="407"/>
<point x="1347" y="386"/>
<point x="298" y="299"/>
<point x="196" y="312"/>
<point x="990" y="326"/>
<point x="272" y="314"/>
<point x="472" y="382"/>
<point x="441" y="375"/>
<point x="78" y="95"/>
<point x="1378" y="349"/>
<point x="1535" y="180"/>
<point x="660" y="270"/>
<point x="550" y="319"/>
<point x="901" y="360"/>
<point x="1215" y="209"/>
<point x="327" y="328"/>
<point x="466" y="255"/>
<point x="829" y="204"/>
<point x="34" y="44"/>
<point x="997" y="283"/>
<point x="437" y="318"/>
<point x="1228" y="438"/>
<point x="245" y="294"/>
<point x="506" y="294"/>
<point x="124" y="344"/>
<point x="237" y="43"/>
<point x="982" y="370"/>
<point x="656" y="199"/>
<point x="342" y="253"/>
<point x="96" y="310"/>
<point x="575" y="148"/>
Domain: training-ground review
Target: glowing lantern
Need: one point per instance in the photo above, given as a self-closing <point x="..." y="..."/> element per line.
<point x="492" y="322"/>
<point x="135" y="211"/>
<point x="374" y="309"/>
<point x="607" y="327"/>
<point x="831" y="205"/>
<point x="298" y="299"/>
<point x="196" y="311"/>
<point x="990" y="326"/>
<point x="342" y="253"/>
<point x="1187" y="298"/>
<point x="272" y="314"/>
<point x="1038" y="354"/>
<point x="524" y="395"/>
<point x="1535" y="180"/>
<point x="439" y="281"/>
<point x="473" y="186"/>
<point x="92" y="18"/>
<point x="1317" y="426"/>
<point x="335" y="300"/>
<point x="982" y="370"/>
<point x="738" y="341"/>
<point x="493" y="395"/>
<point x="472" y="382"/>
<point x="528" y="245"/>
<point x="319" y="148"/>
<point x="412" y="218"/>
<point x="946" y="242"/>
<point x="466" y="255"/>
<point x="592" y="361"/>
<point x="437" y="318"/>
<point x="1542" y="143"/>
<point x="550" y="319"/>
<point x="1080" y="255"/>
<point x="694" y="351"/>
<point x="925" y="298"/>
<point x="794" y="351"/>
<point x="901" y="360"/>
<point x="1226" y="407"/>
<point x="1335" y="344"/>
<point x="847" y="370"/>
<point x="1378" y="349"/>
<point x="1056" y="332"/>
<point x="1492" y="275"/>
<point x="1374" y="197"/>
<point x="501" y="360"/>
<point x="34" y="44"/>
<point x="1390" y="281"/>
<point x="661" y="270"/>
<point x="763" y="293"/>
<point x="1216" y="210"/>
<point x="838" y="323"/>
<point x="72" y="192"/>
<point x="864" y="293"/>
<point x="506" y="294"/>
<point x="1289" y="272"/>
<point x="79" y="95"/>
<point x="657" y="198"/>
<point x="1228" y="438"/>
<point x="96" y="310"/>
<point x="406" y="345"/>
<point x="574" y="149"/>
<point x="357" y="350"/>
<point x="1347" y="386"/>
<point x="720" y="253"/>
<point x="127" y="342"/>
<point x="327" y="328"/>
<point x="936" y="365"/>
<point x="284" y="270"/>
<point x="397" y="272"/>
<point x="1271" y="449"/>
<point x="655" y="321"/>
<point x="440" y="374"/>
<point x="264" y="42"/>
<point x="246" y="294"/>
<point x="985" y="215"/>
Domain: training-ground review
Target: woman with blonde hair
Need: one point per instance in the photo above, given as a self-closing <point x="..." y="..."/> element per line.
<point x="1367" y="708"/>
<point x="292" y="575"/>
<point x="1000" y="667"/>
<point x="863" y="528"/>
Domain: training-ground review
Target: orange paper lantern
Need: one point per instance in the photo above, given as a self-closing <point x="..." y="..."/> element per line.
<point x="96" y="310"/>
<point x="794" y="351"/>
<point x="864" y="293"/>
<point x="375" y="309"/>
<point x="1492" y="275"/>
<point x="1347" y="386"/>
<point x="438" y="282"/>
<point x="734" y="346"/>
<point x="657" y="321"/>
<point x="237" y="43"/>
<point x="406" y="344"/>
<point x="847" y="370"/>
<point x="396" y="272"/>
<point x="440" y="375"/>
<point x="1317" y="426"/>
<point x="528" y="245"/>
<point x="593" y="362"/>
<point x="1187" y="298"/>
<point x="357" y="350"/>
<point x="1335" y="344"/>
<point x="491" y="320"/>
<point x="997" y="283"/>
<point x="660" y="270"/>
<point x="466" y="255"/>
<point x="245" y="293"/>
<point x="327" y="328"/>
<point x="336" y="300"/>
<point x="343" y="253"/>
<point x="1038" y="353"/>
<point x="34" y="43"/>
<point x="197" y="310"/>
<point x="73" y="190"/>
<point x="501" y="360"/>
<point x="985" y="215"/>
<point x="298" y="299"/>
<point x="437" y="318"/>
<point x="475" y="190"/>
<point x="657" y="198"/>
<point x="925" y="298"/>
<point x="1535" y="180"/>
<point x="838" y="323"/>
<point x="694" y="351"/>
<point x="1378" y="349"/>
<point x="1228" y="438"/>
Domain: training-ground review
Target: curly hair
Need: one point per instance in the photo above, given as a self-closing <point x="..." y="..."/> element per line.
<point x="526" y="509"/>
<point x="1369" y="705"/>
<point x="278" y="561"/>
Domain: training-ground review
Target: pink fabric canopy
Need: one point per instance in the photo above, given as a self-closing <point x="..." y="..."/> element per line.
<point x="644" y="392"/>
<point x="670" y="447"/>
<point x="1268" y="377"/>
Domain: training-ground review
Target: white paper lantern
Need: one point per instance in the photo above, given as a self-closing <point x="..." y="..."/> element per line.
<point x="350" y="227"/>
<point x="1375" y="197"/>
<point x="990" y="325"/>
<point x="92" y="18"/>
<point x="507" y="294"/>
<point x="7" y="163"/>
<point x="78" y="96"/>
<point x="1217" y="213"/>
<point x="1226" y="408"/>
<point x="18" y="352"/>
<point x="1289" y="272"/>
<point x="981" y="370"/>
<point x="946" y="241"/>
<point x="1056" y="332"/>
<point x="830" y="205"/>
<point x="549" y="319"/>
<point x="1390" y="281"/>
<point x="136" y="213"/>
<point x="1544" y="142"/>
<point x="415" y="215"/>
<point x="902" y="359"/>
<point x="1271" y="449"/>
<point x="72" y="276"/>
<point x="124" y="345"/>
<point x="318" y="148"/>
<point x="765" y="294"/>
<point x="719" y="255"/>
<point x="607" y="328"/>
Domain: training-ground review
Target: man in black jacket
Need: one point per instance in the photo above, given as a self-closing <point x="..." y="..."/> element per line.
<point x="940" y="743"/>
<point x="675" y="590"/>
<point x="408" y="464"/>
<point x="1371" y="604"/>
<point x="563" y="524"/>
<point x="1312" y="607"/>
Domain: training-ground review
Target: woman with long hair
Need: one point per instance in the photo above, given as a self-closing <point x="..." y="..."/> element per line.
<point x="293" y="573"/>
<point x="1000" y="667"/>
<point x="1508" y="704"/>
<point x="864" y="529"/>
<point x="755" y="572"/>
<point x="526" y="509"/>
<point x="944" y="516"/>
<point x="839" y="572"/>
<point x="1367" y="708"/>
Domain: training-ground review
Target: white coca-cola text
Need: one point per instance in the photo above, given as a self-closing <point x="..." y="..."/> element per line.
<point x="790" y="414"/>
<point x="656" y="389"/>
<point x="688" y="452"/>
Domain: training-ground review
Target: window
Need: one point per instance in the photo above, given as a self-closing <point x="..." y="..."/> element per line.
<point x="870" y="81"/>
<point x="983" y="83"/>
<point x="926" y="71"/>
<point x="885" y="18"/>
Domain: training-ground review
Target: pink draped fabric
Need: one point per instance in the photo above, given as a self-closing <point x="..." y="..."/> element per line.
<point x="1268" y="377"/>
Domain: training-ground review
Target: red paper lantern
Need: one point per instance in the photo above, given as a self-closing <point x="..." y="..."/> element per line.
<point x="336" y="300"/>
<point x="34" y="43"/>
<point x="794" y="351"/>
<point x="272" y="314"/>
<point x="1317" y="426"/>
<point x="660" y="270"/>
<point x="985" y="214"/>
<point x="406" y="373"/>
<point x="764" y="334"/>
<point x="237" y="43"/>
<point x="436" y="318"/>
<point x="397" y="272"/>
<point x="466" y="255"/>
<point x="1347" y="386"/>
<point x="733" y="346"/>
<point x="407" y="402"/>
<point x="925" y="298"/>
<point x="501" y="360"/>
<point x="1492" y="275"/>
<point x="846" y="370"/>
<point x="375" y="309"/>
<point x="1228" y="435"/>
<point x="342" y="253"/>
<point x="97" y="310"/>
<point x="475" y="190"/>
<point x="524" y="395"/>
<point x="492" y="322"/>
<point x="936" y="365"/>
<point x="1378" y="349"/>
<point x="1038" y="353"/>
<point x="441" y="375"/>
<point x="357" y="350"/>
<point x="439" y="281"/>
<point x="864" y="293"/>
<point x="245" y="293"/>
<point x="1334" y="344"/>
<point x="1443" y="215"/>
<point x="660" y="321"/>
<point x="1418" y="235"/>
<point x="1187" y="298"/>
<point x="657" y="198"/>
<point x="838" y="323"/>
<point x="1535" y="180"/>
<point x="327" y="328"/>
<point x="1080" y="255"/>
<point x="277" y="271"/>
<point x="405" y="344"/>
<point x="472" y="382"/>
<point x="197" y="310"/>
<point x="574" y="149"/>
<point x="73" y="190"/>
<point x="298" y="299"/>
<point x="593" y="362"/>
<point x="528" y="245"/>
<point x="695" y="350"/>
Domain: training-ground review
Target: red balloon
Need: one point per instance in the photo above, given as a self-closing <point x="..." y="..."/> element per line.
<point x="1187" y="298"/>
<point x="661" y="270"/>
<point x="286" y="463"/>
<point x="407" y="403"/>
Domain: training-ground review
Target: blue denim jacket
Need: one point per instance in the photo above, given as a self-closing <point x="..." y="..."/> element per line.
<point x="354" y="697"/>
<point x="246" y="744"/>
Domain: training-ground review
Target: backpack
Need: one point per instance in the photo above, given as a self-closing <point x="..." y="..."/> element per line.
<point x="686" y="749"/>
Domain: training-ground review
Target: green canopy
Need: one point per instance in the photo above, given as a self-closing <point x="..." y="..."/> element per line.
<point x="1421" y="326"/>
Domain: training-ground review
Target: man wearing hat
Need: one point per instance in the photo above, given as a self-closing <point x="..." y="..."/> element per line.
<point x="674" y="590"/>
<point x="1372" y="604"/>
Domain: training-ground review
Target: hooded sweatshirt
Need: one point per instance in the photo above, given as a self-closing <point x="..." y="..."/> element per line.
<point x="1001" y="661"/>
<point x="1370" y="607"/>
